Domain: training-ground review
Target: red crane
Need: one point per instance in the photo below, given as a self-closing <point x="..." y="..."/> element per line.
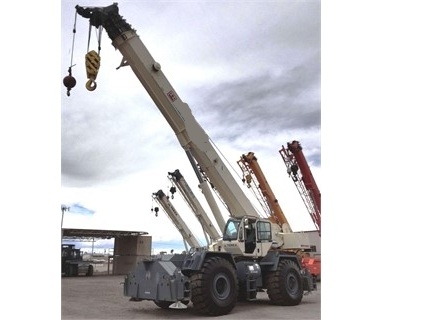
<point x="300" y="172"/>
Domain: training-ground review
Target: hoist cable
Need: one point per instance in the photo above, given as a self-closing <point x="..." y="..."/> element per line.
<point x="74" y="36"/>
<point x="89" y="36"/>
<point x="100" y="33"/>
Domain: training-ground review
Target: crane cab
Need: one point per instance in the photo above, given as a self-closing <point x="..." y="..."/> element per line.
<point x="247" y="236"/>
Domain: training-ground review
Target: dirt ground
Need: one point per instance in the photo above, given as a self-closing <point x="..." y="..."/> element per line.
<point x="101" y="297"/>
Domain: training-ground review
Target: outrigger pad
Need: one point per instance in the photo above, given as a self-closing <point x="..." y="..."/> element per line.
<point x="178" y="305"/>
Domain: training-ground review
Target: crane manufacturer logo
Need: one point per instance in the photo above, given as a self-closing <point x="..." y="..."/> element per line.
<point x="172" y="96"/>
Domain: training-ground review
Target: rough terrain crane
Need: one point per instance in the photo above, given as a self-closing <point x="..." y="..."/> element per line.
<point x="250" y="256"/>
<point x="253" y="174"/>
<point x="300" y="172"/>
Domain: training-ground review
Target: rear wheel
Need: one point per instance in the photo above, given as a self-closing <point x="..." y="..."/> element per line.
<point x="214" y="288"/>
<point x="71" y="270"/>
<point x="284" y="286"/>
<point x="75" y="270"/>
<point x="68" y="271"/>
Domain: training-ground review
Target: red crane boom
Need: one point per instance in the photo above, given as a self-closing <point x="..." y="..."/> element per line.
<point x="300" y="172"/>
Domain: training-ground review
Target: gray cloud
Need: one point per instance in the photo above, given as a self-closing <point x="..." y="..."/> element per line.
<point x="265" y="58"/>
<point x="264" y="105"/>
<point x="106" y="139"/>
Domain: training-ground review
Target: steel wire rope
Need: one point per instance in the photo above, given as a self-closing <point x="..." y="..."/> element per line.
<point x="73" y="41"/>
<point x="238" y="175"/>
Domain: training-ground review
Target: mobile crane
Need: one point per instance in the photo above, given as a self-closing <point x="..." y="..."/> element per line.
<point x="249" y="257"/>
<point x="300" y="172"/>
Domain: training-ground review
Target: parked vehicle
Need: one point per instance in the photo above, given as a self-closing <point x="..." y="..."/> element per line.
<point x="72" y="262"/>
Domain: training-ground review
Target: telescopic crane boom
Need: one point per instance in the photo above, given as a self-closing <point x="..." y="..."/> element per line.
<point x="177" y="113"/>
<point x="206" y="189"/>
<point x="300" y="172"/>
<point x="252" y="173"/>
<point x="174" y="216"/>
<point x="212" y="234"/>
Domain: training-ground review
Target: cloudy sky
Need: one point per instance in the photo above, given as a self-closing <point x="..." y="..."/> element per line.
<point x="250" y="72"/>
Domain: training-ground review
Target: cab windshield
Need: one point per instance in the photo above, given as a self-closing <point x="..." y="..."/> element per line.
<point x="230" y="232"/>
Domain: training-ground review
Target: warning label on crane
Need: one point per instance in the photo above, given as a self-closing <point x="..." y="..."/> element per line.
<point x="172" y="96"/>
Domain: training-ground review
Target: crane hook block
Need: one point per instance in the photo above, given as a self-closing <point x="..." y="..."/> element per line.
<point x="92" y="67"/>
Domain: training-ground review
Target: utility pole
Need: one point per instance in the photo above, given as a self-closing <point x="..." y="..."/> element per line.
<point x="63" y="208"/>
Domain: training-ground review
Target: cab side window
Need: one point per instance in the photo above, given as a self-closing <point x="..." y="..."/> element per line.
<point x="264" y="231"/>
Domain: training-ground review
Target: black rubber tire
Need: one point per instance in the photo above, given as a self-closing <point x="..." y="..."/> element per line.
<point x="90" y="272"/>
<point x="284" y="286"/>
<point x="75" y="270"/>
<point x="215" y="287"/>
<point x="68" y="271"/>
<point x="71" y="270"/>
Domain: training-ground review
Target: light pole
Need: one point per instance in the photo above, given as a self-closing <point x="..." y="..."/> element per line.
<point x="63" y="208"/>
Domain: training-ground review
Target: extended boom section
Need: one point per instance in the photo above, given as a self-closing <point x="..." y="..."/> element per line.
<point x="300" y="172"/>
<point x="210" y="231"/>
<point x="178" y="114"/>
<point x="253" y="174"/>
<point x="176" y="219"/>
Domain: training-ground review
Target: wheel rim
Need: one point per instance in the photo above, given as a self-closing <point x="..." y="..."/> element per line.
<point x="221" y="286"/>
<point x="291" y="284"/>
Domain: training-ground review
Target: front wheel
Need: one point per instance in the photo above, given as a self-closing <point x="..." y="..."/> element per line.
<point x="72" y="270"/>
<point x="214" y="288"/>
<point x="284" y="286"/>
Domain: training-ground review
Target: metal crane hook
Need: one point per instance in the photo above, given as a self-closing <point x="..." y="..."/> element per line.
<point x="91" y="85"/>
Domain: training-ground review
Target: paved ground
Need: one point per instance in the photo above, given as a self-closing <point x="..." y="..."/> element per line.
<point x="101" y="297"/>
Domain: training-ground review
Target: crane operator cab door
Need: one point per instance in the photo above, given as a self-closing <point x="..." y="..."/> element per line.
<point x="249" y="235"/>
<point x="256" y="235"/>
